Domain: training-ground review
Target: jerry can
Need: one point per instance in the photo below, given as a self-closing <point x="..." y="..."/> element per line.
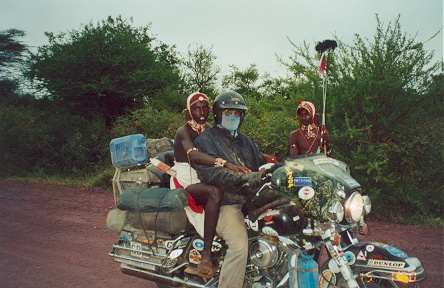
<point x="128" y="150"/>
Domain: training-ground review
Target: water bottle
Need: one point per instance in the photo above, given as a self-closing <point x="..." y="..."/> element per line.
<point x="128" y="150"/>
<point x="308" y="274"/>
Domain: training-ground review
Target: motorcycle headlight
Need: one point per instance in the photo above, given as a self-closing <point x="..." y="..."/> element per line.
<point x="367" y="204"/>
<point x="354" y="207"/>
<point x="336" y="212"/>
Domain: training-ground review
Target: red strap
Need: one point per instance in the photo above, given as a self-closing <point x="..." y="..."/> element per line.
<point x="191" y="201"/>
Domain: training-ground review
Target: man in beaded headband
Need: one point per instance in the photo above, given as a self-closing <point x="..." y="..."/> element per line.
<point x="200" y="123"/>
<point x="306" y="139"/>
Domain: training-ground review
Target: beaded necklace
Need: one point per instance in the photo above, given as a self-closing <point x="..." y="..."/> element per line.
<point x="199" y="128"/>
<point x="309" y="131"/>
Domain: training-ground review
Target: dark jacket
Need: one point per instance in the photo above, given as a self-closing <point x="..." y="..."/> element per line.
<point x="239" y="150"/>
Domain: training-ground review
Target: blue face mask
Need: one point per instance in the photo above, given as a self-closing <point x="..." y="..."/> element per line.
<point x="230" y="122"/>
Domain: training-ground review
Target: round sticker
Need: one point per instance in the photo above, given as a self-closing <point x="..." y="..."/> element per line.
<point x="306" y="193"/>
<point x="198" y="244"/>
<point x="370" y="248"/>
<point x="350" y="257"/>
<point x="327" y="279"/>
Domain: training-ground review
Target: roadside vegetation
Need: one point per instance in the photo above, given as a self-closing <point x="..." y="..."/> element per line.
<point x="61" y="105"/>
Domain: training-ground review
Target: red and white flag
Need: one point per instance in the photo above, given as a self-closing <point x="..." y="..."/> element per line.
<point x="322" y="64"/>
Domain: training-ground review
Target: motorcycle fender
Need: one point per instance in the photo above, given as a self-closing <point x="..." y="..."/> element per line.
<point x="378" y="255"/>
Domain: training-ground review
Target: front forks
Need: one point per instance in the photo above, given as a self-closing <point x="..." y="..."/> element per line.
<point x="342" y="264"/>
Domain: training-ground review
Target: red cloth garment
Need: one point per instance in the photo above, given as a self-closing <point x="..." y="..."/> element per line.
<point x="191" y="201"/>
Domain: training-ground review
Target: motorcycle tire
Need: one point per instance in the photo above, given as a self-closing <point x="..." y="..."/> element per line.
<point x="339" y="282"/>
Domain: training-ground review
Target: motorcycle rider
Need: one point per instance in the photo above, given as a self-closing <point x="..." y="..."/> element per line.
<point x="185" y="152"/>
<point x="307" y="139"/>
<point x="224" y="141"/>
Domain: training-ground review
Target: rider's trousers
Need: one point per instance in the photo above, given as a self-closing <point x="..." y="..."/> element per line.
<point x="231" y="227"/>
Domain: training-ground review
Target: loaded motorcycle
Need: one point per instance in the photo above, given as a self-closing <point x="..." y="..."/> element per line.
<point x="306" y="203"/>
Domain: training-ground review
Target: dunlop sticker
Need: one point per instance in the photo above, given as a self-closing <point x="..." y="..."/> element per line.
<point x="385" y="263"/>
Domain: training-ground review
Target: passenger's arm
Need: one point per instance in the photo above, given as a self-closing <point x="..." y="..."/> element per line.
<point x="197" y="157"/>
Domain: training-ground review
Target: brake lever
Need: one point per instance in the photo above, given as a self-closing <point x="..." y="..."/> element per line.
<point x="266" y="185"/>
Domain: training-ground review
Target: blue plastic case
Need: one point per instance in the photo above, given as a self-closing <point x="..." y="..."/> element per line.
<point x="128" y="150"/>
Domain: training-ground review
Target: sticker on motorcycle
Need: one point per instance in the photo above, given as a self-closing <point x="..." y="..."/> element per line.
<point x="269" y="231"/>
<point x="396" y="251"/>
<point x="176" y="253"/>
<point x="386" y="264"/>
<point x="198" y="244"/>
<point x="136" y="249"/>
<point x="370" y="248"/>
<point x="297" y="166"/>
<point x="194" y="256"/>
<point x="302" y="181"/>
<point x="183" y="243"/>
<point x="361" y="256"/>
<point x="216" y="247"/>
<point x="160" y="243"/>
<point x="252" y="225"/>
<point x="126" y="236"/>
<point x="327" y="278"/>
<point x="350" y="257"/>
<point x="306" y="193"/>
<point x="268" y="215"/>
<point x="325" y="161"/>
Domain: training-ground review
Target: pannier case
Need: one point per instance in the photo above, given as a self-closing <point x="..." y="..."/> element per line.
<point x="128" y="150"/>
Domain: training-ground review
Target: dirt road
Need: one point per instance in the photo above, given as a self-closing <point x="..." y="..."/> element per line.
<point x="56" y="236"/>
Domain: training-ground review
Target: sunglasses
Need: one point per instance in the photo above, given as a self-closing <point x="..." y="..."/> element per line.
<point x="230" y="112"/>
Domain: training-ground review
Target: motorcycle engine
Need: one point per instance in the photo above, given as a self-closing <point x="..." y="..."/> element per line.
<point x="263" y="253"/>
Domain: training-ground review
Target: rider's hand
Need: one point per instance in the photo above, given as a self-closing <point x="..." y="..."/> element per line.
<point x="238" y="169"/>
<point x="269" y="158"/>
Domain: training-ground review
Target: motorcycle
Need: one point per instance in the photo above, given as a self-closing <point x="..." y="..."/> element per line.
<point x="309" y="202"/>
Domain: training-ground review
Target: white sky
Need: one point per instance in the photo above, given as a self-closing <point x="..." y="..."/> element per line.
<point x="242" y="32"/>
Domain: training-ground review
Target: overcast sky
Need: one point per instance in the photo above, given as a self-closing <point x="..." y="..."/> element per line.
<point x="241" y="32"/>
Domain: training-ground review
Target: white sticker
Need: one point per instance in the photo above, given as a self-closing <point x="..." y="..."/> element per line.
<point x="254" y="225"/>
<point x="198" y="244"/>
<point x="216" y="246"/>
<point x="370" y="248"/>
<point x="361" y="256"/>
<point x="306" y="193"/>
<point x="385" y="264"/>
<point x="176" y="253"/>
<point x="136" y="249"/>
<point x="194" y="256"/>
<point x="269" y="231"/>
